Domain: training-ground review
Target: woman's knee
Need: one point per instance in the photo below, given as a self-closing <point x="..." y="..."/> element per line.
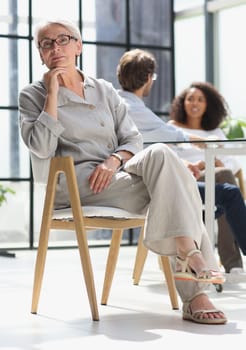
<point x="159" y="150"/>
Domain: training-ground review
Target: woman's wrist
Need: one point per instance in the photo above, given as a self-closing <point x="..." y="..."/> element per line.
<point x="118" y="157"/>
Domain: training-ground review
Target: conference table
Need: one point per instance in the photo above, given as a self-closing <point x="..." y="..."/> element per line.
<point x="212" y="150"/>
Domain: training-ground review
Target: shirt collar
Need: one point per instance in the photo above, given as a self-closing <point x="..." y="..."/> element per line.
<point x="65" y="95"/>
<point x="130" y="96"/>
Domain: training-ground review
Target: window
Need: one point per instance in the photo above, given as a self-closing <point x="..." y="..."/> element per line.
<point x="189" y="52"/>
<point x="232" y="57"/>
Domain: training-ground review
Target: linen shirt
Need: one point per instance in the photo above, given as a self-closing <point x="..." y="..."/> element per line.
<point x="101" y="114"/>
<point x="88" y="129"/>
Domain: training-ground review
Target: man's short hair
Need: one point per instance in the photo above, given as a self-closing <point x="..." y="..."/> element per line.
<point x="134" y="68"/>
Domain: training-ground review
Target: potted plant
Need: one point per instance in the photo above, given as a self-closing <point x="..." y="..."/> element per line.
<point x="3" y="198"/>
<point x="234" y="127"/>
<point x="3" y="191"/>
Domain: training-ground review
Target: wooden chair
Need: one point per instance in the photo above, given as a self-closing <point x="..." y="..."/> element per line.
<point x="83" y="218"/>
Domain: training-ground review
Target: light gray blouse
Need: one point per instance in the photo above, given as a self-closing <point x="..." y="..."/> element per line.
<point x="88" y="129"/>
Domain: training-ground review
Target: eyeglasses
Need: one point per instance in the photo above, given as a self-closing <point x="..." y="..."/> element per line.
<point x="154" y="76"/>
<point x="61" y="40"/>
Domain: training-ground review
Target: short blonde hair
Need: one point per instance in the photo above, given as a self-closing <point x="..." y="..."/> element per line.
<point x="70" y="26"/>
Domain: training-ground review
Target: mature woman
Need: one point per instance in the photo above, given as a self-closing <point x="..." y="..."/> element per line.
<point x="68" y="112"/>
<point x="199" y="110"/>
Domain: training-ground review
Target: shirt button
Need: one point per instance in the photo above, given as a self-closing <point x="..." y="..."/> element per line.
<point x="102" y="124"/>
<point x="109" y="145"/>
<point x="91" y="106"/>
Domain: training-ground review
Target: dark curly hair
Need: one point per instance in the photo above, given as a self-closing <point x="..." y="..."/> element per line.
<point x="134" y="68"/>
<point x="217" y="108"/>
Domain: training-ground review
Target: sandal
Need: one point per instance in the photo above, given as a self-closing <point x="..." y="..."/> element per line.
<point x="205" y="276"/>
<point x="197" y="316"/>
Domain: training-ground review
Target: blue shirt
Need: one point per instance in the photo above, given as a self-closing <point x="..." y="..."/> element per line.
<point x="152" y="127"/>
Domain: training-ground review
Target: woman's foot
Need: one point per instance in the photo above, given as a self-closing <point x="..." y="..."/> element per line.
<point x="196" y="261"/>
<point x="202" y="310"/>
<point x="192" y="267"/>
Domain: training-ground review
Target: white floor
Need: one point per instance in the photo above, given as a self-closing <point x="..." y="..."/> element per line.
<point x="136" y="317"/>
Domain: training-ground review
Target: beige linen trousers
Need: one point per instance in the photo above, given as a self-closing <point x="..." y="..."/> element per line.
<point x="155" y="180"/>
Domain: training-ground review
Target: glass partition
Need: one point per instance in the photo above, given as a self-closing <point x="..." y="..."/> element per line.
<point x="189" y="51"/>
<point x="231" y="55"/>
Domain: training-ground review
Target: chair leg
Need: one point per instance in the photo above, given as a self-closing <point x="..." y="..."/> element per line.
<point x="111" y="264"/>
<point x="40" y="264"/>
<point x="166" y="266"/>
<point x="81" y="236"/>
<point x="141" y="256"/>
<point x="44" y="237"/>
<point x="88" y="273"/>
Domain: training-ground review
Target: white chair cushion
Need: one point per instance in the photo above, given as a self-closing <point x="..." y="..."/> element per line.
<point x="91" y="211"/>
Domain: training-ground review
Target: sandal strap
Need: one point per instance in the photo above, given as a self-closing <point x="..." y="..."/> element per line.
<point x="187" y="309"/>
<point x="192" y="252"/>
<point x="197" y="316"/>
<point x="184" y="263"/>
<point x="201" y="292"/>
<point x="202" y="311"/>
<point x="204" y="273"/>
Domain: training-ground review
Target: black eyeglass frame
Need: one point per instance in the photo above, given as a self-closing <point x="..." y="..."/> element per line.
<point x="52" y="41"/>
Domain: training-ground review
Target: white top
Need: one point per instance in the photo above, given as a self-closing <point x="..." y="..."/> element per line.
<point x="193" y="153"/>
